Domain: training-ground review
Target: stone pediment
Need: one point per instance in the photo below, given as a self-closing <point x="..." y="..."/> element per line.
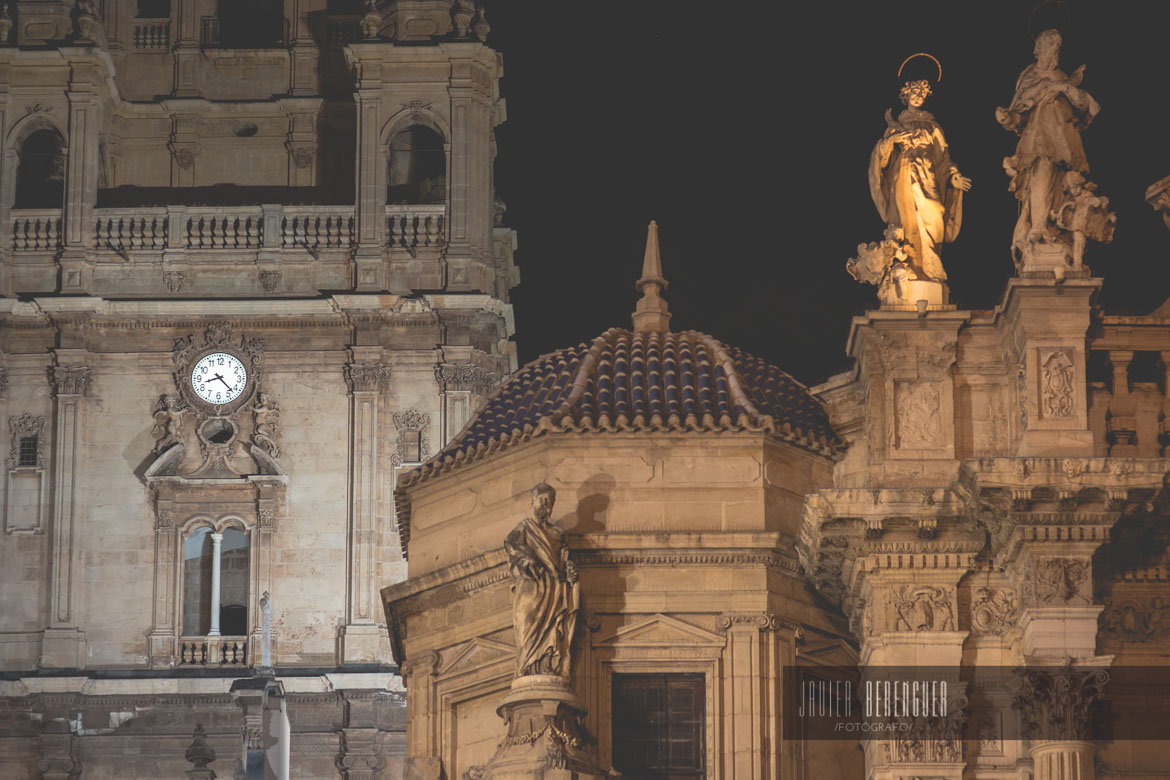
<point x="660" y="631"/>
<point x="827" y="652"/>
<point x="477" y="653"/>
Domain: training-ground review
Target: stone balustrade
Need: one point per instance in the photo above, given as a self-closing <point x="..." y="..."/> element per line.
<point x="228" y="227"/>
<point x="152" y="34"/>
<point x="36" y="230"/>
<point x="415" y="226"/>
<point x="213" y="651"/>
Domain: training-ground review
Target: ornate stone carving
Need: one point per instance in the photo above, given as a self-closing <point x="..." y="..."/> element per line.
<point x="1158" y="196"/>
<point x="994" y="611"/>
<point x="176" y="281"/>
<point x="266" y="424"/>
<point x="168" y="421"/>
<point x="368" y="377"/>
<point x="413" y="443"/>
<point x="1137" y="620"/>
<point x="199" y="753"/>
<point x="462" y="376"/>
<point x="546" y="596"/>
<point x="932" y="739"/>
<point x="270" y="280"/>
<point x="72" y="379"/>
<point x="371" y="20"/>
<point x="1048" y="111"/>
<point x="302" y="156"/>
<point x="184" y="158"/>
<point x="1057" y="704"/>
<point x="1060" y="580"/>
<point x="764" y="621"/>
<point x="23" y="427"/>
<point x="1057" y="384"/>
<point x="218" y="335"/>
<point x="918" y="410"/>
<point x="416" y="108"/>
<point x="924" y="608"/>
<point x="165" y="519"/>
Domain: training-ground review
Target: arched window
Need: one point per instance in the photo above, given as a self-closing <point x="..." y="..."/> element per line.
<point x="417" y="168"/>
<point x="202" y="616"/>
<point x="40" y="173"/>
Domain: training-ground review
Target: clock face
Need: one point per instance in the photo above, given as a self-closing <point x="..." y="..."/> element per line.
<point x="219" y="378"/>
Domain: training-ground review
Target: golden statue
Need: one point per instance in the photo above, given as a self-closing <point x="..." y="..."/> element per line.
<point x="545" y="594"/>
<point x="918" y="191"/>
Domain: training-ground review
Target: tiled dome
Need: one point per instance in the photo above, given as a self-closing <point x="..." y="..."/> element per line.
<point x="628" y="382"/>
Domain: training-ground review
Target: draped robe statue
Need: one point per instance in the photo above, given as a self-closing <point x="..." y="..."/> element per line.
<point x="914" y="184"/>
<point x="545" y="594"/>
<point x="1048" y="111"/>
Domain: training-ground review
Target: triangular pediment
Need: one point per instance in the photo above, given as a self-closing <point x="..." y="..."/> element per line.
<point x="826" y="652"/>
<point x="660" y="631"/>
<point x="477" y="653"/>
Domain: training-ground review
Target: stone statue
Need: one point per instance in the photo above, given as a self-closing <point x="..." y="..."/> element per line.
<point x="266" y="433"/>
<point x="168" y="421"/>
<point x="545" y="594"/>
<point x="1048" y="111"/>
<point x="914" y="184"/>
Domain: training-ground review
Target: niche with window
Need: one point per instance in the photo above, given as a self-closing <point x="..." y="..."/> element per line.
<point x="417" y="168"/>
<point x="40" y="171"/>
<point x="154" y="9"/>
<point x="246" y="24"/>
<point x="658" y="724"/>
<point x="199" y="572"/>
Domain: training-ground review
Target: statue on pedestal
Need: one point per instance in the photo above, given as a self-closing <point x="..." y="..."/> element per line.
<point x="545" y="735"/>
<point x="1048" y="111"/>
<point x="918" y="191"/>
<point x="545" y="592"/>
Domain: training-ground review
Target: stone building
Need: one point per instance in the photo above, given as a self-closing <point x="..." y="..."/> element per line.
<point x="252" y="265"/>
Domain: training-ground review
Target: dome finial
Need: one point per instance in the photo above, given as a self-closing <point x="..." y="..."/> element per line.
<point x="651" y="313"/>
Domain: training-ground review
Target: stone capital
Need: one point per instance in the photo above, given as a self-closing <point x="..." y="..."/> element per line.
<point x="368" y="377"/>
<point x="73" y="379"/>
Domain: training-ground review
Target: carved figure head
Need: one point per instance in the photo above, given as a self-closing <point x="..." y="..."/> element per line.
<point x="543" y="498"/>
<point x="915" y="93"/>
<point x="1047" y="49"/>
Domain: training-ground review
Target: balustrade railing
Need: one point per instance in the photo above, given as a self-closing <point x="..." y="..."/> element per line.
<point x="152" y="34"/>
<point x="213" y="651"/>
<point x="211" y="228"/>
<point x="36" y="230"/>
<point x="317" y="227"/>
<point x="414" y="226"/>
<point x="131" y="229"/>
<point x="231" y="228"/>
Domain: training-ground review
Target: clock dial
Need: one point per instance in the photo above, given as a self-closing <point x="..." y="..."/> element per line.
<point x="219" y="378"/>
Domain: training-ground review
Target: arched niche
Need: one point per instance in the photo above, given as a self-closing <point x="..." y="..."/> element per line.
<point x="416" y="167"/>
<point x="40" y="169"/>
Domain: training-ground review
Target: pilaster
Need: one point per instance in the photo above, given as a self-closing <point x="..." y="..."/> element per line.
<point x="80" y="186"/>
<point x="369" y="379"/>
<point x="64" y="640"/>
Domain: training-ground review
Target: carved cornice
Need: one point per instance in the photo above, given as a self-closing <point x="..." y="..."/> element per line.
<point x="684" y="557"/>
<point x="764" y="621"/>
<point x="368" y="377"/>
<point x="71" y="380"/>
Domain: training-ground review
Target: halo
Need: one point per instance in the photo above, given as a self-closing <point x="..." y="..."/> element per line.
<point x="1032" y="16"/>
<point x="937" y="64"/>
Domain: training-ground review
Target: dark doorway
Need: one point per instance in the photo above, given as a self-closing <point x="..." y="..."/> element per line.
<point x="40" y="173"/>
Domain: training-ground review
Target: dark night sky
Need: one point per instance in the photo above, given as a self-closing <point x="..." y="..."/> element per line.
<point x="745" y="130"/>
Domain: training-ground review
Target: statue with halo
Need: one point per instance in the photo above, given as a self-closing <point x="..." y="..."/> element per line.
<point x="918" y="191"/>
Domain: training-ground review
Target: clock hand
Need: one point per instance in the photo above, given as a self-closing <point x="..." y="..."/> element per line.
<point x="225" y="384"/>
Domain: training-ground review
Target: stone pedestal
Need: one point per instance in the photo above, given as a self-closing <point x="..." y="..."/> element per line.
<point x="1063" y="760"/>
<point x="546" y="739"/>
<point x="914" y="294"/>
<point x="1044" y="259"/>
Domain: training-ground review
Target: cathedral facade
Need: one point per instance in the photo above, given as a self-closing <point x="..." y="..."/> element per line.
<point x="252" y="266"/>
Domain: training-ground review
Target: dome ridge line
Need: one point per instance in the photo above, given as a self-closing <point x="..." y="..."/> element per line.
<point x="738" y="394"/>
<point x="584" y="371"/>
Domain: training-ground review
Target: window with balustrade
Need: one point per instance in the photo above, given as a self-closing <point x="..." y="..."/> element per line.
<point x="40" y="172"/>
<point x="153" y="9"/>
<point x="416" y="168"/>
<point x="215" y="597"/>
<point x="246" y="24"/>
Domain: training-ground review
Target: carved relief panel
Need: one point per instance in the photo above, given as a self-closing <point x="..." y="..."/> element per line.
<point x="26" y="482"/>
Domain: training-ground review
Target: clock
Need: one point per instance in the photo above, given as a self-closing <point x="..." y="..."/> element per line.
<point x="219" y="378"/>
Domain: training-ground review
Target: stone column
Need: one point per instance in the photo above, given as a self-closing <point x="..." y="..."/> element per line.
<point x="186" y="33"/>
<point x="216" y="549"/>
<point x="1055" y="707"/>
<point x="8" y="163"/>
<point x="368" y="380"/>
<point x="80" y="187"/>
<point x="1121" y="426"/>
<point x="63" y="644"/>
<point x="369" y="173"/>
<point x="161" y="640"/>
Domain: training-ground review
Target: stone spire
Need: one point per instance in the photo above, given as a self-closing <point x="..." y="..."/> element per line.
<point x="651" y="313"/>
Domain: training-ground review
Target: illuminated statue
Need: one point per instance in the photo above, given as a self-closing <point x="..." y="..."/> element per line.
<point x="545" y="592"/>
<point x="1048" y="111"/>
<point x="914" y="184"/>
